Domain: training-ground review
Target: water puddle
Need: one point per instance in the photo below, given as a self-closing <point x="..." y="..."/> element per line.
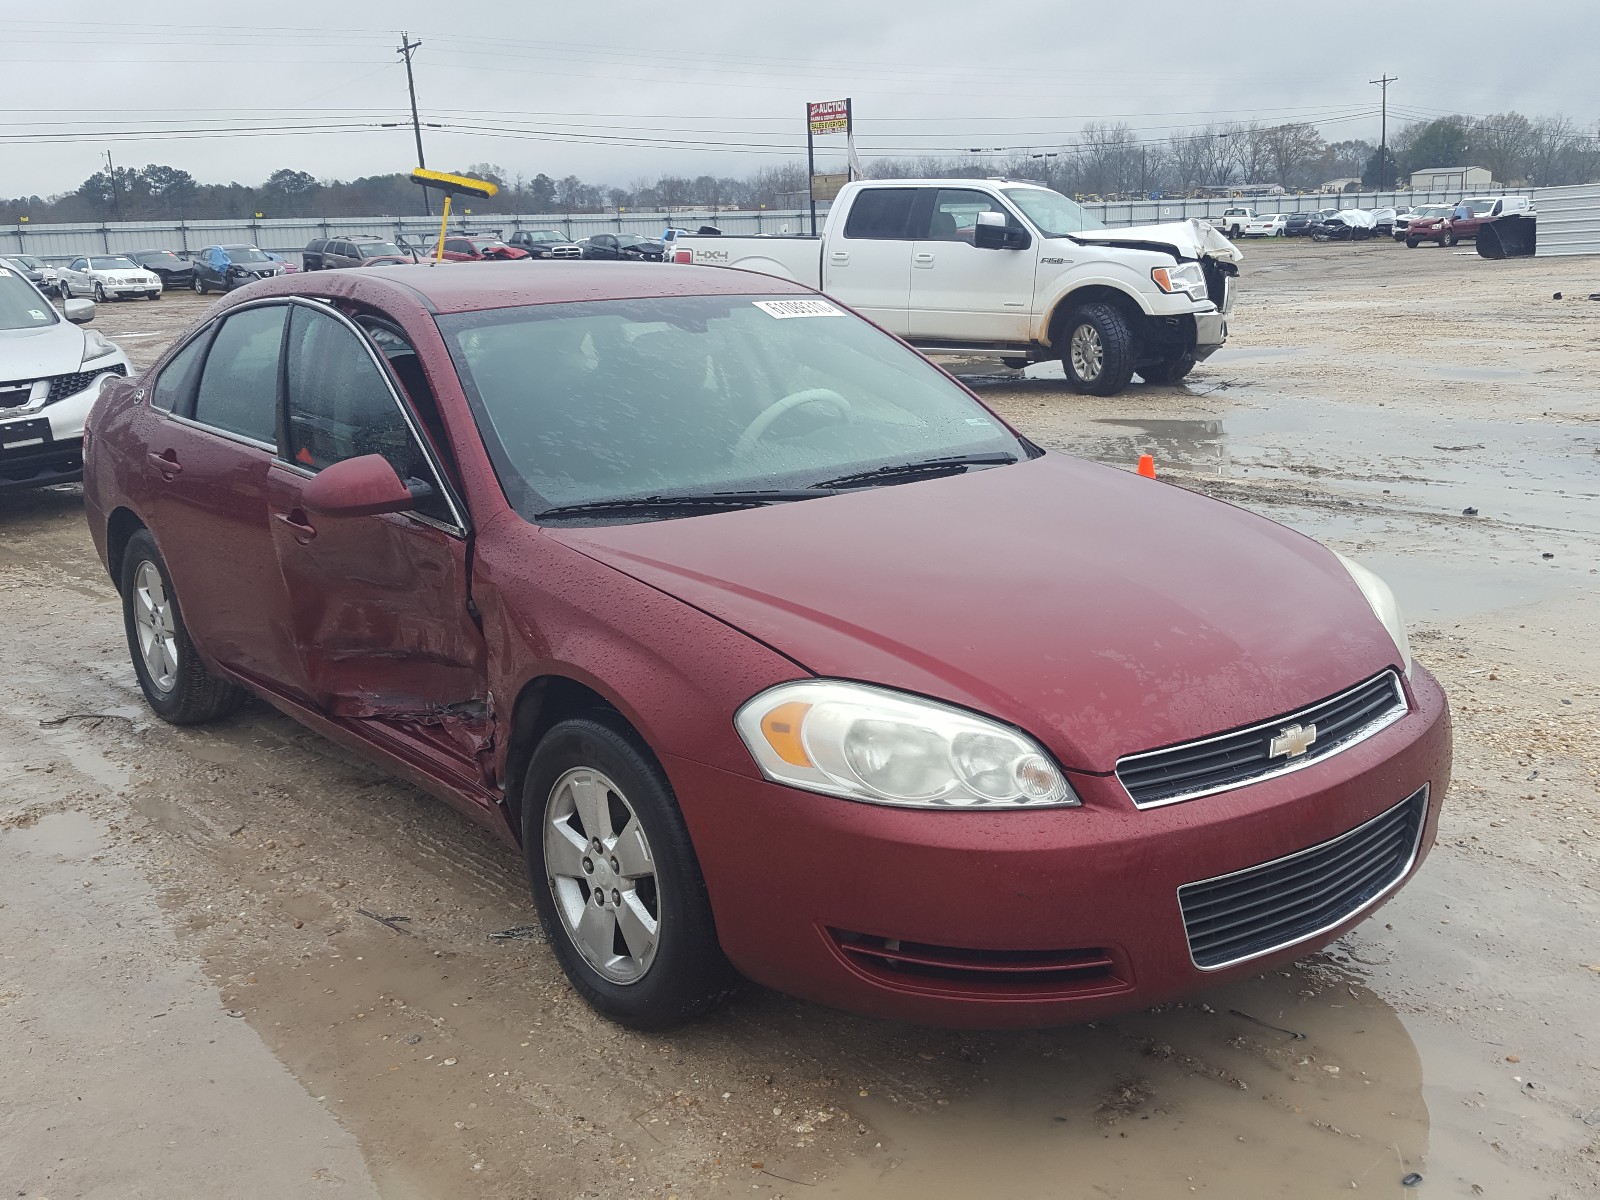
<point x="1301" y="1084"/>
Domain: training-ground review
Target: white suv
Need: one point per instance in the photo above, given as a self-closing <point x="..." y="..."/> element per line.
<point x="50" y="376"/>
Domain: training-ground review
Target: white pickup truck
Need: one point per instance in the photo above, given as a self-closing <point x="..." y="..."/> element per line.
<point x="1010" y="270"/>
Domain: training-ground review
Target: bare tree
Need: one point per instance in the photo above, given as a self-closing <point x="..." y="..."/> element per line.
<point x="1288" y="150"/>
<point x="1501" y="143"/>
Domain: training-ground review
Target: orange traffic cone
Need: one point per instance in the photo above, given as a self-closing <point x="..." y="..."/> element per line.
<point x="1147" y="466"/>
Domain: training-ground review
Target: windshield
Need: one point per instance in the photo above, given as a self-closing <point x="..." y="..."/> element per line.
<point x="115" y="263"/>
<point x="160" y="256"/>
<point x="20" y="306"/>
<point x="1433" y="210"/>
<point x="28" y="261"/>
<point x="1052" y="212"/>
<point x="545" y="235"/>
<point x="1478" y="207"/>
<point x="378" y="250"/>
<point x="244" y="254"/>
<point x="633" y="239"/>
<point x="483" y="243"/>
<point x="600" y="400"/>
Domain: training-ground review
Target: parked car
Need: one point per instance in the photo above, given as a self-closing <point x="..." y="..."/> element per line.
<point x="51" y="373"/>
<point x="1009" y="270"/>
<point x="1345" y="225"/>
<point x="1403" y="221"/>
<point x="173" y="271"/>
<point x="1298" y="224"/>
<point x="36" y="269"/>
<point x="1233" y="220"/>
<point x="1386" y="220"/>
<point x="288" y="268"/>
<point x="1466" y="218"/>
<point x="545" y="243"/>
<point x="352" y="250"/>
<point x="1267" y="225"/>
<point x="663" y="652"/>
<point x="223" y="268"/>
<point x="107" y="277"/>
<point x="477" y="247"/>
<point x="624" y="246"/>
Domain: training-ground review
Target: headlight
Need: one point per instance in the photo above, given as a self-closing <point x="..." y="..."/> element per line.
<point x="1187" y="278"/>
<point x="884" y="747"/>
<point x="1383" y="605"/>
<point x="95" y="347"/>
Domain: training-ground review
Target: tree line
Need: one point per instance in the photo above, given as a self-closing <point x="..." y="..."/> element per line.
<point x="1104" y="160"/>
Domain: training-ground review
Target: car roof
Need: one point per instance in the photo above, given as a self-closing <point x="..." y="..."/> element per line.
<point x="475" y="286"/>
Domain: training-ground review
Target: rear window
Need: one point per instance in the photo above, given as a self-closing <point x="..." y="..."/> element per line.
<point x="882" y="213"/>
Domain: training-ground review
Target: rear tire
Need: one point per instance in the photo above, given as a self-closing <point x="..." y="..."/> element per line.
<point x="1097" y="348"/>
<point x="175" y="682"/>
<point x="1170" y="370"/>
<point x="608" y="854"/>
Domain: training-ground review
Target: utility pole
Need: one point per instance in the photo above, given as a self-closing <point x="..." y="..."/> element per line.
<point x="407" y="46"/>
<point x="111" y="177"/>
<point x="1383" y="136"/>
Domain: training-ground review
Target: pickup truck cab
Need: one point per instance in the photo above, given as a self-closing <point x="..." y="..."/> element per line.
<point x="1010" y="270"/>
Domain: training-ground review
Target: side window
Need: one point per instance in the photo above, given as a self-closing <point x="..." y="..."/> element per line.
<point x="881" y="213"/>
<point x="955" y="214"/>
<point x="457" y="246"/>
<point x="340" y="406"/>
<point x="78" y="264"/>
<point x="239" y="385"/>
<point x="176" y="381"/>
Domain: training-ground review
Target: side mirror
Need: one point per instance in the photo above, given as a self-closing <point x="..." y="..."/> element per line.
<point x="79" y="312"/>
<point x="357" y="487"/>
<point x="992" y="233"/>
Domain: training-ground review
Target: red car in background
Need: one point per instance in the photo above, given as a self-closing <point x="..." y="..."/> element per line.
<point x="477" y="247"/>
<point x="766" y="643"/>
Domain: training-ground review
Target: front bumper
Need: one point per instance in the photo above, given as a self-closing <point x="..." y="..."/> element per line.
<point x="1210" y="332"/>
<point x="42" y="444"/>
<point x="1019" y="919"/>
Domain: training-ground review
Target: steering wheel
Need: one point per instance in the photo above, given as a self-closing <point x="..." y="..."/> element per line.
<point x="757" y="429"/>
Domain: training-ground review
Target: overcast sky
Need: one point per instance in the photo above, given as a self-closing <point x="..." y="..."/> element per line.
<point x="717" y="87"/>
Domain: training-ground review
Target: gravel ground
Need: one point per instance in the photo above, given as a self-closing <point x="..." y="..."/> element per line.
<point x="197" y="998"/>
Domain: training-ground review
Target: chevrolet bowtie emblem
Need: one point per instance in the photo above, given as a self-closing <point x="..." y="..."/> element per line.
<point x="1292" y="742"/>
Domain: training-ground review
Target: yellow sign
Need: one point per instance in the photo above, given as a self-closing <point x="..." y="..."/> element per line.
<point x="453" y="184"/>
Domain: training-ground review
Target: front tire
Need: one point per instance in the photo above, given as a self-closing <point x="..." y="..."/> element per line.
<point x="99" y="294"/>
<point x="1412" y="243"/>
<point x="199" y="288"/>
<point x="1449" y="240"/>
<point x="615" y="878"/>
<point x="152" y="295"/>
<point x="175" y="682"/>
<point x="1097" y="348"/>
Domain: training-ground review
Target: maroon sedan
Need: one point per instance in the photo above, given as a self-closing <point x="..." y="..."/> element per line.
<point x="767" y="643"/>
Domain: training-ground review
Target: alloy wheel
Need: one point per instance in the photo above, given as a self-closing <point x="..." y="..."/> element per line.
<point x="1088" y="355"/>
<point x="153" y="620"/>
<point x="602" y="875"/>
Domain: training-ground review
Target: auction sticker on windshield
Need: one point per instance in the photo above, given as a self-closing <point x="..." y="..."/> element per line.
<point x="798" y="308"/>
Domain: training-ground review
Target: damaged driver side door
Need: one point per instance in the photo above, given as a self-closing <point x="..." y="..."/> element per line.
<point x="380" y="612"/>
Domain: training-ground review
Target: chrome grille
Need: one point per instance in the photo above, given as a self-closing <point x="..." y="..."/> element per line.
<point x="1231" y="760"/>
<point x="1264" y="908"/>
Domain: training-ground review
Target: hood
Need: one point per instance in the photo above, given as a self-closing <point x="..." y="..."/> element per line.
<point x="505" y="252"/>
<point x="1193" y="238"/>
<point x="1100" y="611"/>
<point x="36" y="352"/>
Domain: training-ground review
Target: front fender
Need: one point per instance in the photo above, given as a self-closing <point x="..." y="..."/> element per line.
<point x="1071" y="283"/>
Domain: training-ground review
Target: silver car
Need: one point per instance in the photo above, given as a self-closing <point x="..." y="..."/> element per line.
<point x="107" y="277"/>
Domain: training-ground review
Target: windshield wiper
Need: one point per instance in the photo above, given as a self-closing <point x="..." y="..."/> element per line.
<point x="951" y="464"/>
<point x="700" y="500"/>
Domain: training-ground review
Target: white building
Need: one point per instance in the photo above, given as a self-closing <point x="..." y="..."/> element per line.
<point x="1452" y="179"/>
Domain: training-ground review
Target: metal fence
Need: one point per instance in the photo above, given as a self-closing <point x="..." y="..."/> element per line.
<point x="288" y="235"/>
<point x="1569" y="220"/>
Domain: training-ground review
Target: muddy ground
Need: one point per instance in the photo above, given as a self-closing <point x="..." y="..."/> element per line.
<point x="237" y="962"/>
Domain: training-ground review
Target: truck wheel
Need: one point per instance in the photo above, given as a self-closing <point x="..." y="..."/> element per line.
<point x="1097" y="350"/>
<point x="1168" y="370"/>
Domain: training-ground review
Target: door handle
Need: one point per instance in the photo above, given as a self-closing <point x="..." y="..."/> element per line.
<point x="840" y="256"/>
<point x="167" y="463"/>
<point x="301" y="527"/>
<point x="922" y="259"/>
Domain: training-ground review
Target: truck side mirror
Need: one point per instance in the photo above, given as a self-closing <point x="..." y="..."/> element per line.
<point x="992" y="233"/>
